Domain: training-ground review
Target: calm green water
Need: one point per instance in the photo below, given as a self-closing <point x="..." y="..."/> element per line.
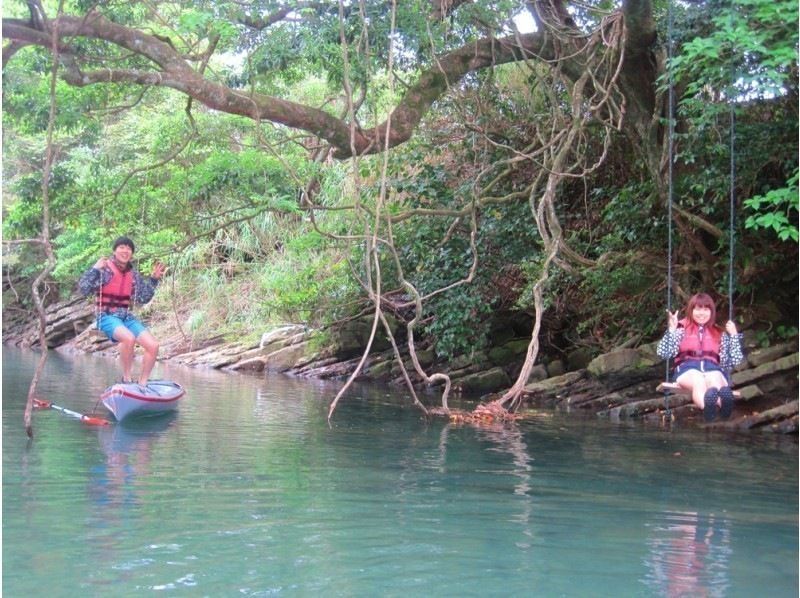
<point x="247" y="491"/>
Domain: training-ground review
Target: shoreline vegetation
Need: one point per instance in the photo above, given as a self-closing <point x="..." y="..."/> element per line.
<point x="619" y="384"/>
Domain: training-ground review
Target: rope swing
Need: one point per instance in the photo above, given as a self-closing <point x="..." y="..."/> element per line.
<point x="668" y="387"/>
<point x="732" y="194"/>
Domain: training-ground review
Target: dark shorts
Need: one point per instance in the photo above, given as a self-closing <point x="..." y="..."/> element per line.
<point x="109" y="324"/>
<point x="702" y="365"/>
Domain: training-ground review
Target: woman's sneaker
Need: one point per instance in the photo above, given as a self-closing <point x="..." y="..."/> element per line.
<point x="726" y="402"/>
<point x="710" y="404"/>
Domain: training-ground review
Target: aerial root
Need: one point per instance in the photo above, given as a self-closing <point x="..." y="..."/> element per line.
<point x="488" y="413"/>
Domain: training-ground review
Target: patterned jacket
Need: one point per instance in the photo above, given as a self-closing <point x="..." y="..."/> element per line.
<point x="730" y="348"/>
<point x="144" y="287"/>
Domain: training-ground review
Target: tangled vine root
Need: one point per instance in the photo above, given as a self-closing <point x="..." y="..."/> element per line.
<point x="488" y="413"/>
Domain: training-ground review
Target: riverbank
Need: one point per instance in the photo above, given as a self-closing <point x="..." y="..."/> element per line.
<point x="618" y="385"/>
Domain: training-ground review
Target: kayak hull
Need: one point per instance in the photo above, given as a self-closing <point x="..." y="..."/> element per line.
<point x="130" y="400"/>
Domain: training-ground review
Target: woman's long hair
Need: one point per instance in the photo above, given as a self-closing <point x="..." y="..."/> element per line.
<point x="702" y="300"/>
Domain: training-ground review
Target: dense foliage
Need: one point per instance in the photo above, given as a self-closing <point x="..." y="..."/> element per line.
<point x="263" y="220"/>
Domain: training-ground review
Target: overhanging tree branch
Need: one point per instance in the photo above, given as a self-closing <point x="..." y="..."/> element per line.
<point x="172" y="69"/>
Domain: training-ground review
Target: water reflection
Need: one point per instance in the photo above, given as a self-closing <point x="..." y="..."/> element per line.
<point x="128" y="450"/>
<point x="118" y="490"/>
<point x="689" y="553"/>
<point x="509" y="440"/>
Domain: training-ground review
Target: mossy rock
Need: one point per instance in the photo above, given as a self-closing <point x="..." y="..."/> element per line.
<point x="381" y="370"/>
<point x="484" y="382"/>
<point x="556" y="368"/>
<point x="619" y="361"/>
<point x="509" y="352"/>
<point x="579" y="358"/>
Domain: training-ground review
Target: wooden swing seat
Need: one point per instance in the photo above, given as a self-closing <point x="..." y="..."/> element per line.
<point x="673" y="388"/>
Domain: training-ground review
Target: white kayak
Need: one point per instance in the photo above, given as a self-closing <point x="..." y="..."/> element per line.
<point x="127" y="399"/>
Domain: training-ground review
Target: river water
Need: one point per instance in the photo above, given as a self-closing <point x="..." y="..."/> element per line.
<point x="247" y="491"/>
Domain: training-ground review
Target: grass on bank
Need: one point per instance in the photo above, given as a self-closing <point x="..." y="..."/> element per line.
<point x="306" y="281"/>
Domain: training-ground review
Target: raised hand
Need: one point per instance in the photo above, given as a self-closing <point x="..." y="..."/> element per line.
<point x="672" y="320"/>
<point x="158" y="270"/>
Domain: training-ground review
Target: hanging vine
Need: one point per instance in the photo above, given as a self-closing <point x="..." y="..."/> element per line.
<point x="559" y="151"/>
<point x="44" y="240"/>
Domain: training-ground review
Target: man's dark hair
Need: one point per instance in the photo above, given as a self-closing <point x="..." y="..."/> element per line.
<point x="123" y="241"/>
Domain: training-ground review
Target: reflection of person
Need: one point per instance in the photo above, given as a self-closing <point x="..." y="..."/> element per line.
<point x="118" y="286"/>
<point x="703" y="354"/>
<point x="689" y="557"/>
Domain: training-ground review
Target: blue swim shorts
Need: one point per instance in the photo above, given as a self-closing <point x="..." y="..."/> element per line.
<point x="109" y="324"/>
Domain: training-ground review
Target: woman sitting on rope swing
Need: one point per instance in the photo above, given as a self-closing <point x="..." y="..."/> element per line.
<point x="704" y="355"/>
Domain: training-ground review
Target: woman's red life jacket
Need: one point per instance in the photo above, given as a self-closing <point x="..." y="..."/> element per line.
<point x="698" y="343"/>
<point x="118" y="291"/>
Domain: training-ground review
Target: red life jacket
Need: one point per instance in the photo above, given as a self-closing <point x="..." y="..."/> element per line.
<point x="698" y="343"/>
<point x="118" y="291"/>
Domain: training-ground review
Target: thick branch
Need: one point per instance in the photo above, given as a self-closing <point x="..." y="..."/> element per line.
<point x="442" y="8"/>
<point x="176" y="73"/>
<point x="640" y="25"/>
<point x="10" y="49"/>
<point x="638" y="77"/>
<point x="262" y="22"/>
<point x="172" y="70"/>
